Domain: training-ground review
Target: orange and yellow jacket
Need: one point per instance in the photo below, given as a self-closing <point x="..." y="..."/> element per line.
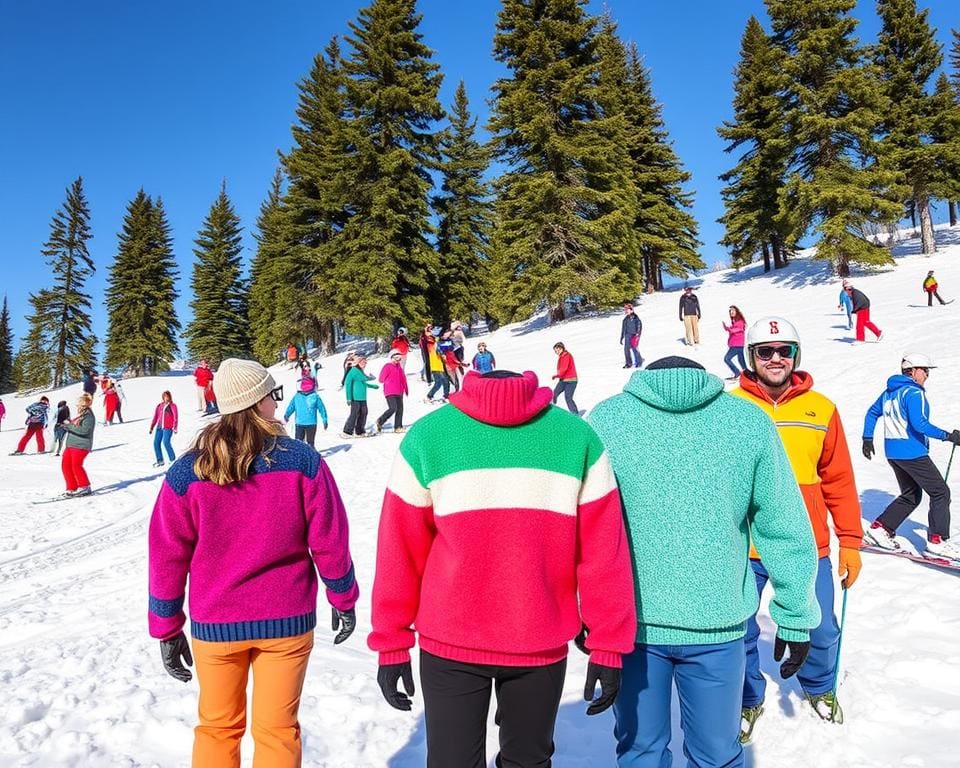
<point x="813" y="437"/>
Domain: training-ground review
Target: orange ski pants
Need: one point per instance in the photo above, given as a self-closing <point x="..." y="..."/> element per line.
<point x="279" y="667"/>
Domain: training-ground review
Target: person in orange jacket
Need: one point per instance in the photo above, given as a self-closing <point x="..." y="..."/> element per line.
<point x="809" y="425"/>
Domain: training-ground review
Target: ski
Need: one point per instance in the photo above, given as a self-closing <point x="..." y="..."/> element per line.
<point x="935" y="562"/>
<point x="69" y="498"/>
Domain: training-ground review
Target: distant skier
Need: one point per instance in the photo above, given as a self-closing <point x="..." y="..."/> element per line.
<point x="90" y="382"/>
<point x="930" y="286"/>
<point x="394" y="382"/>
<point x="690" y="317"/>
<point x="735" y="332"/>
<point x="566" y="377"/>
<point x="437" y="371"/>
<point x="59" y="433"/>
<point x="78" y="444"/>
<point x="861" y="308"/>
<point x="3" y="412"/>
<point x="483" y="361"/>
<point x="307" y="406"/>
<point x="36" y="422"/>
<point x="846" y="303"/>
<point x="907" y="431"/>
<point x="203" y="377"/>
<point x="630" y="329"/>
<point x="446" y="348"/>
<point x="165" y="421"/>
<point x="401" y="344"/>
<point x="356" y="385"/>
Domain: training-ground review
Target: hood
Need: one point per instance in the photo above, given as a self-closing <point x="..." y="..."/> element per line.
<point x="899" y="381"/>
<point x="800" y="382"/>
<point x="679" y="387"/>
<point x="504" y="401"/>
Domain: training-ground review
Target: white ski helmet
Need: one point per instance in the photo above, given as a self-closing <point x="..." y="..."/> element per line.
<point x="769" y="330"/>
<point x="916" y="360"/>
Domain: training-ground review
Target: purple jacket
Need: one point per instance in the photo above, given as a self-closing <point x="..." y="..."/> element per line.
<point x="394" y="380"/>
<point x="735" y="333"/>
<point x="252" y="549"/>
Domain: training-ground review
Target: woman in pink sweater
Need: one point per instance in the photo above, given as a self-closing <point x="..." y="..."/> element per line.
<point x="252" y="516"/>
<point x="394" y="380"/>
<point x="735" y="331"/>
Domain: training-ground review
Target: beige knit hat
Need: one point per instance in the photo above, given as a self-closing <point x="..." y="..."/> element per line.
<point x="240" y="384"/>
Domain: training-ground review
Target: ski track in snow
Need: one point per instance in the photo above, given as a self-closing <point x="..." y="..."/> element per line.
<point x="83" y="684"/>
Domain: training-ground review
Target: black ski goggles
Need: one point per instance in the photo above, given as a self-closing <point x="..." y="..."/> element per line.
<point x="277" y="394"/>
<point x="767" y="351"/>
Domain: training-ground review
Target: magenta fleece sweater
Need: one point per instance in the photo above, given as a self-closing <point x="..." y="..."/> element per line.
<point x="251" y="550"/>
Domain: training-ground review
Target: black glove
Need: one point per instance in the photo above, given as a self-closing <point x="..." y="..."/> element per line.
<point x="345" y="621"/>
<point x="954" y="437"/>
<point x="798" y="654"/>
<point x="581" y="639"/>
<point x="171" y="652"/>
<point x="387" y="678"/>
<point x="609" y="679"/>
<point x="868" y="449"/>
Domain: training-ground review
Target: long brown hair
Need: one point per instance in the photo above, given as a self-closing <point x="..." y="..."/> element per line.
<point x="738" y="315"/>
<point x="227" y="448"/>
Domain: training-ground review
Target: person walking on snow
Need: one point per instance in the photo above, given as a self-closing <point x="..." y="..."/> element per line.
<point x="690" y="316"/>
<point x="36" y="422"/>
<point x="394" y="382"/>
<point x="809" y="425"/>
<point x="695" y="587"/>
<point x="907" y="429"/>
<point x="59" y="433"/>
<point x="930" y="286"/>
<point x="111" y="399"/>
<point x="483" y="361"/>
<point x="437" y="371"/>
<point x="401" y="344"/>
<point x="78" y="445"/>
<point x="735" y="332"/>
<point x="252" y="516"/>
<point x="426" y="343"/>
<point x="861" y="308"/>
<point x="526" y="499"/>
<point x="356" y="385"/>
<point x="630" y="330"/>
<point x="566" y="377"/>
<point x="90" y="382"/>
<point x="165" y="421"/>
<point x="307" y="406"/>
<point x="203" y="377"/>
<point x="846" y="303"/>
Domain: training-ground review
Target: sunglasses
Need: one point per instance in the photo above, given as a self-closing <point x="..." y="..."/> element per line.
<point x="277" y="394"/>
<point x="786" y="352"/>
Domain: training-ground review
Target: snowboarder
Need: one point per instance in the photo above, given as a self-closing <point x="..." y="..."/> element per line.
<point x="630" y="329"/>
<point x="809" y="425"/>
<point x="690" y="316"/>
<point x="846" y="303"/>
<point x="203" y="376"/>
<point x="691" y="604"/>
<point x="308" y="406"/>
<point x="401" y="344"/>
<point x="907" y="431"/>
<point x="36" y="422"/>
<point x="930" y="286"/>
<point x="165" y="421"/>
<point x="394" y="382"/>
<point x="861" y="308"/>
<point x="78" y="444"/>
<point x="566" y="377"/>
<point x="59" y="433"/>
<point x="483" y="361"/>
<point x="356" y="385"/>
<point x="252" y="516"/>
<point x="735" y="331"/>
<point x="541" y="534"/>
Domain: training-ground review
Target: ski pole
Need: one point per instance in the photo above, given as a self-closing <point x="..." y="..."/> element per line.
<point x="949" y="462"/>
<point x="836" y="670"/>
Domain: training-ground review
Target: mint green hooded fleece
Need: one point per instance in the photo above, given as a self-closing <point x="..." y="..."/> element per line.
<point x="700" y="471"/>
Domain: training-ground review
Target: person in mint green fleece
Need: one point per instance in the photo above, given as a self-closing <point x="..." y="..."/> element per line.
<point x="701" y="472"/>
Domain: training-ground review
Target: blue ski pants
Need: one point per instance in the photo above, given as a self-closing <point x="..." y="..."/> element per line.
<point x="709" y="680"/>
<point x="162" y="437"/>
<point x="816" y="674"/>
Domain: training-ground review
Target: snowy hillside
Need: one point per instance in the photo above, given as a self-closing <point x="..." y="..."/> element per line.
<point x="83" y="684"/>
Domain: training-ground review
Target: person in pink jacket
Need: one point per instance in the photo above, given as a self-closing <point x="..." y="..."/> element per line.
<point x="735" y="331"/>
<point x="165" y="421"/>
<point x="394" y="381"/>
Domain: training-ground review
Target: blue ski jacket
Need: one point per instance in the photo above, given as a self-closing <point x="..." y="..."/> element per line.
<point x="906" y="419"/>
<point x="307" y="406"/>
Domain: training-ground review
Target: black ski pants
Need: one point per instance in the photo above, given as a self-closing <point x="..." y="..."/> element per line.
<point x="930" y="295"/>
<point x="395" y="409"/>
<point x="357" y="420"/>
<point x="913" y="477"/>
<point x="456" y="700"/>
<point x="306" y="432"/>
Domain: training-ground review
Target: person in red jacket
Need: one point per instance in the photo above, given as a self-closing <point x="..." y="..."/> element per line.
<point x="401" y="344"/>
<point x="566" y="377"/>
<point x="111" y="399"/>
<point x="165" y="421"/>
<point x="204" y="378"/>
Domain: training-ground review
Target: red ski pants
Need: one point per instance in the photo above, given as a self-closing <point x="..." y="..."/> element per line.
<point x="32" y="429"/>
<point x="72" y="468"/>
<point x="110" y="404"/>
<point x="863" y="322"/>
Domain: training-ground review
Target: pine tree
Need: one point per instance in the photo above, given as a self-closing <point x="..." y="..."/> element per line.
<point x="6" y="350"/>
<point x="907" y="55"/>
<point x="834" y="103"/>
<point x="946" y="139"/>
<point x="955" y="59"/>
<point x="33" y="364"/>
<point x="61" y="324"/>
<point x="941" y="90"/>
<point x="752" y="219"/>
<point x="382" y="254"/>
<point x="219" y="326"/>
<point x="464" y="211"/>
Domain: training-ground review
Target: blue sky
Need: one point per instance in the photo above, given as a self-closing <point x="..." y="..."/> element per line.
<point x="176" y="97"/>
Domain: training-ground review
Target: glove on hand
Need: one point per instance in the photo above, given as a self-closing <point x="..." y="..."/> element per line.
<point x="345" y="621"/>
<point x="849" y="566"/>
<point x="798" y="654"/>
<point x="581" y="639"/>
<point x="387" y="678"/>
<point x="171" y="652"/>
<point x="868" y="450"/>
<point x="609" y="679"/>
<point x="954" y="437"/>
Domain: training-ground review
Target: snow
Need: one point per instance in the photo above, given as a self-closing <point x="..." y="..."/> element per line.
<point x="83" y="684"/>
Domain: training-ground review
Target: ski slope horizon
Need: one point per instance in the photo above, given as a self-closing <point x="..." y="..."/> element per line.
<point x="83" y="681"/>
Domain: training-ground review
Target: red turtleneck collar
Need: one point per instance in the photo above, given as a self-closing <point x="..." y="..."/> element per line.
<point x="503" y="402"/>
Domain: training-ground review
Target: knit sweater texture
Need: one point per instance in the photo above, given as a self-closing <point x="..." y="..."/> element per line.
<point x="487" y="541"/>
<point x="699" y="472"/>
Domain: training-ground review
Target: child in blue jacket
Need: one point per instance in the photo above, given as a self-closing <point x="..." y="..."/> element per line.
<point x="307" y="405"/>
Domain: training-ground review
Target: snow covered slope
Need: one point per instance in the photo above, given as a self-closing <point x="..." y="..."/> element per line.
<point x="82" y="683"/>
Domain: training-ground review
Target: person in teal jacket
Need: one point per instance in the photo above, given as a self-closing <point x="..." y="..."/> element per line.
<point x="355" y="387"/>
<point x="308" y="406"/>
<point x="709" y="473"/>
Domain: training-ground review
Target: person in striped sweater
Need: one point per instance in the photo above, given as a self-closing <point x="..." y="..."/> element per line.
<point x="493" y="550"/>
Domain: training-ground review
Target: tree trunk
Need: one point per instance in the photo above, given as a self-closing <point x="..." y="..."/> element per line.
<point x="952" y="207"/>
<point x="765" y="250"/>
<point x="927" y="242"/>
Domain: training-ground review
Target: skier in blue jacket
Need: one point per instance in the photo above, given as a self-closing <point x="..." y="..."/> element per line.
<point x="907" y="431"/>
<point x="307" y="405"/>
<point x="483" y="361"/>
